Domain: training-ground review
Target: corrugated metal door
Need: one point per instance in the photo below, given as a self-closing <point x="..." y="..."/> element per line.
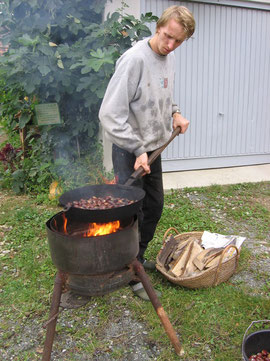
<point x="222" y="87"/>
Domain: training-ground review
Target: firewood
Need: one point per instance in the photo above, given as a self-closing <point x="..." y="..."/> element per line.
<point x="214" y="261"/>
<point x="182" y="245"/>
<point x="165" y="255"/>
<point x="206" y="256"/>
<point x="190" y="267"/>
<point x="179" y="268"/>
<point x="179" y="251"/>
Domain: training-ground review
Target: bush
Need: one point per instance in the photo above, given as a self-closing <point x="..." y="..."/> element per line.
<point x="60" y="52"/>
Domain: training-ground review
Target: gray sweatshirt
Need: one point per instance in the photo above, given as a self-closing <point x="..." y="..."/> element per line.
<point x="137" y="108"/>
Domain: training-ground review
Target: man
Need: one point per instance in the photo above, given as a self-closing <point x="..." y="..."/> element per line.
<point x="138" y="112"/>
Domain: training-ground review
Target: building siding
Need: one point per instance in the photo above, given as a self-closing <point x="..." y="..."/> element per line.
<point x="222" y="87"/>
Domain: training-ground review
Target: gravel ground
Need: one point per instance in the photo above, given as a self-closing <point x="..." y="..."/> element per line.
<point x="124" y="337"/>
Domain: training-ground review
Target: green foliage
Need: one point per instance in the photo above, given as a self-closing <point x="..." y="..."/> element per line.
<point x="34" y="173"/>
<point x="60" y="51"/>
<point x="16" y="109"/>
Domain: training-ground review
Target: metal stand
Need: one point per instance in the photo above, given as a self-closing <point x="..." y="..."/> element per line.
<point x="51" y="323"/>
<point x="139" y="271"/>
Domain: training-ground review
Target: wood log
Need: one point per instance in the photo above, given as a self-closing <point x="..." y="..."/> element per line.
<point x="206" y="256"/>
<point x="213" y="262"/>
<point x="182" y="245"/>
<point x="191" y="267"/>
<point x="180" y="265"/>
<point x="165" y="255"/>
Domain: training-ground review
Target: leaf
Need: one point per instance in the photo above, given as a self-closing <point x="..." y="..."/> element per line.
<point x="26" y="40"/>
<point x="52" y="44"/>
<point x="18" y="174"/>
<point x="44" y="49"/>
<point x="74" y="66"/>
<point x="83" y="85"/>
<point x="60" y="64"/>
<point x="149" y="17"/>
<point x="24" y="119"/>
<point x="99" y="58"/>
<point x="44" y="69"/>
<point x="17" y="187"/>
<point x="87" y="69"/>
<point x="66" y="82"/>
<point x="100" y="92"/>
<point x="33" y="172"/>
<point x="114" y="17"/>
<point x="131" y="33"/>
<point x="97" y="54"/>
<point x="29" y="88"/>
<point x="45" y="166"/>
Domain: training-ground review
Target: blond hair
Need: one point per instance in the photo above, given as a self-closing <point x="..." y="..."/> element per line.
<point x="182" y="15"/>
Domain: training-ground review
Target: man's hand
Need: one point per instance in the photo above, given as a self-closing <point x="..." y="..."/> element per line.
<point x="180" y="121"/>
<point x="142" y="160"/>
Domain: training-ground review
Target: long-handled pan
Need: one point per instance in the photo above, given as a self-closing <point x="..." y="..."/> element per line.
<point x="135" y="194"/>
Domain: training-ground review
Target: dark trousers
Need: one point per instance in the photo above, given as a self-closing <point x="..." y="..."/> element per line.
<point x="150" y="213"/>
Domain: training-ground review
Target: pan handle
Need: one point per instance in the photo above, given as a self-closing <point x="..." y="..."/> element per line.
<point x="139" y="172"/>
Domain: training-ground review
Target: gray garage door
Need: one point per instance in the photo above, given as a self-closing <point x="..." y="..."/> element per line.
<point x="222" y="86"/>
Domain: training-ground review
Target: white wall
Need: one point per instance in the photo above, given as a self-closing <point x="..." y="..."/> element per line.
<point x="133" y="7"/>
<point x="222" y="86"/>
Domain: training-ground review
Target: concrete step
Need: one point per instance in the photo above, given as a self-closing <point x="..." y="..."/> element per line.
<point x="222" y="176"/>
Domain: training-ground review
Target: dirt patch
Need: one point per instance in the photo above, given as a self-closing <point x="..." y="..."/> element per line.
<point x="264" y="201"/>
<point x="123" y="339"/>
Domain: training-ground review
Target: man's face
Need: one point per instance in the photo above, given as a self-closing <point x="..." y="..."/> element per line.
<point x="169" y="37"/>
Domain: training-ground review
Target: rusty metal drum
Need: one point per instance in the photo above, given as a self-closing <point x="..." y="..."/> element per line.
<point x="95" y="255"/>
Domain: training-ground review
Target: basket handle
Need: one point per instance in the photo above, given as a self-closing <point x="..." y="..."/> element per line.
<point x="221" y="260"/>
<point x="245" y="334"/>
<point x="166" y="233"/>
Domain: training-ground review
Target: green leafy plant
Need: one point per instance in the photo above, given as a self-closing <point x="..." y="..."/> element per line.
<point x="61" y="52"/>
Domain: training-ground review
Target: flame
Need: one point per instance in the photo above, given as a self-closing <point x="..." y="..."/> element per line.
<point x="107" y="181"/>
<point x="65" y="224"/>
<point x="95" y="229"/>
<point x="101" y="229"/>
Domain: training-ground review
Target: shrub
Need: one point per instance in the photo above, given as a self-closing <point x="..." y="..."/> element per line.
<point x="60" y="52"/>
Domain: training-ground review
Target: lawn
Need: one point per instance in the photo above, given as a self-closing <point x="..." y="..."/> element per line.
<point x="210" y="322"/>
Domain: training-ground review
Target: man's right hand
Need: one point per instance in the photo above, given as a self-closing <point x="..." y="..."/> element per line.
<point x="142" y="161"/>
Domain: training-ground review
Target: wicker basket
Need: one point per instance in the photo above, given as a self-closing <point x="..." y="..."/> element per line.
<point x="210" y="277"/>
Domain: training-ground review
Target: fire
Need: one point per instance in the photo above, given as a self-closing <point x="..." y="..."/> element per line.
<point x="65" y="224"/>
<point x="101" y="229"/>
<point x="107" y="181"/>
<point x="95" y="229"/>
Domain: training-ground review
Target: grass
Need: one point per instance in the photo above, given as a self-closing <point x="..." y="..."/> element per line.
<point x="211" y="322"/>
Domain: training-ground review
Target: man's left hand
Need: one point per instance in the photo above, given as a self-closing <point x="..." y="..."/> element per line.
<point x="180" y="121"/>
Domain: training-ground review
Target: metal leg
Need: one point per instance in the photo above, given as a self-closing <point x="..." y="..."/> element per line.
<point x="139" y="270"/>
<point x="51" y="324"/>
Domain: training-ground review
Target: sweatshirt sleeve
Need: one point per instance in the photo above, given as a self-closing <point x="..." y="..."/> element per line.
<point x="115" y="108"/>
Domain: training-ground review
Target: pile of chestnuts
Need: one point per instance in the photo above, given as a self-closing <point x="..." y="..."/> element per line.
<point x="100" y="203"/>
<point x="260" y="356"/>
